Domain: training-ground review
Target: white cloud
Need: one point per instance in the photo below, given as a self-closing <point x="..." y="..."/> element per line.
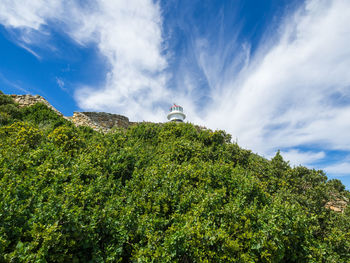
<point x="28" y="14"/>
<point x="339" y="169"/>
<point x="127" y="33"/>
<point x="297" y="157"/>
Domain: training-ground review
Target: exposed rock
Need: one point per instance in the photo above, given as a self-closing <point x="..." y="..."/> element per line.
<point x="29" y="100"/>
<point x="338" y="204"/>
<point x="100" y="121"/>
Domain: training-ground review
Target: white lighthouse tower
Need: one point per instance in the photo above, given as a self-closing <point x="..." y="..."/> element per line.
<point x="176" y="113"/>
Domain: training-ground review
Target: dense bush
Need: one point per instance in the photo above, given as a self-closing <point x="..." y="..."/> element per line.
<point x="156" y="193"/>
<point x="8" y="109"/>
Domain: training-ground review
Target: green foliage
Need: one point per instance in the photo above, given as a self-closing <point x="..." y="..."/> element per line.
<point x="65" y="137"/>
<point x="156" y="193"/>
<point x="8" y="109"/>
<point x="40" y="114"/>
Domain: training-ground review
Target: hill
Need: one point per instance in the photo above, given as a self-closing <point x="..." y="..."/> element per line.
<point x="166" y="192"/>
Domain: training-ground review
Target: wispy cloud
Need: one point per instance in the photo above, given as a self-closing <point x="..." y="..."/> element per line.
<point x="29" y="50"/>
<point x="285" y="96"/>
<point x="294" y="91"/>
<point x="60" y="83"/>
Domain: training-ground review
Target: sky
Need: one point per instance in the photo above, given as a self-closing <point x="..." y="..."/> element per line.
<point x="275" y="74"/>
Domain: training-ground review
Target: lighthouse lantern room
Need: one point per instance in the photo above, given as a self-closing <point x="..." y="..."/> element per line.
<point x="176" y="113"/>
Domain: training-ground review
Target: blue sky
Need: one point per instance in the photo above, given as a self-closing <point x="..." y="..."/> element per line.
<point x="274" y="73"/>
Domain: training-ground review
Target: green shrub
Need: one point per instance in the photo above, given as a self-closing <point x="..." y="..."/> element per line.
<point x="40" y="114"/>
<point x="157" y="193"/>
<point x="8" y="110"/>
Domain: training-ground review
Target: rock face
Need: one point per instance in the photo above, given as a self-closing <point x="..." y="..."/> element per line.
<point x="338" y="204"/>
<point x="28" y="100"/>
<point x="100" y="120"/>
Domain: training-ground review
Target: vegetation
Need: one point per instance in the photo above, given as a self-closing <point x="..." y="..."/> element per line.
<point x="156" y="193"/>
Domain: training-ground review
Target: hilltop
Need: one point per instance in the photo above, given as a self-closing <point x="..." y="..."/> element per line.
<point x="148" y="192"/>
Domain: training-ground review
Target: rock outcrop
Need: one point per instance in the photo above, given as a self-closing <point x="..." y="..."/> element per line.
<point x="28" y="100"/>
<point x="100" y="120"/>
<point x="338" y="204"/>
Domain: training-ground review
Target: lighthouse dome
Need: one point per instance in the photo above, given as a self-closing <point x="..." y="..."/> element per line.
<point x="176" y="113"/>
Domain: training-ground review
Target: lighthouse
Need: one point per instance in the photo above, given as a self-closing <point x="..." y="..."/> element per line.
<point x="176" y="113"/>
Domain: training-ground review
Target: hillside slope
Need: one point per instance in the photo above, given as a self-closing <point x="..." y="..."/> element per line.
<point x="156" y="193"/>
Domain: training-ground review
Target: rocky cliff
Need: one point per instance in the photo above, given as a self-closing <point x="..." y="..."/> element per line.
<point x="99" y="121"/>
<point x="27" y="100"/>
